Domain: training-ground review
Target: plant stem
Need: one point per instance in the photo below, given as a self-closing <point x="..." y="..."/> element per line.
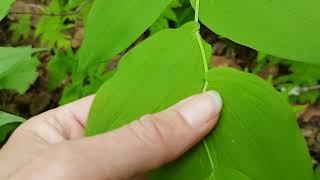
<point x="205" y="66"/>
<point x="199" y="39"/>
<point x="204" y="59"/>
<point x="196" y="16"/>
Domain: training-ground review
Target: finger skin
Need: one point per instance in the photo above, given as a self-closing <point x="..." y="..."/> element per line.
<point x="143" y="145"/>
<point x="63" y="123"/>
<point x="42" y="131"/>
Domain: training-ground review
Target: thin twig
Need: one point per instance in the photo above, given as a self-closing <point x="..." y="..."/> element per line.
<point x="77" y="11"/>
<point x="37" y="7"/>
<point x="311" y="88"/>
<point x="296" y="91"/>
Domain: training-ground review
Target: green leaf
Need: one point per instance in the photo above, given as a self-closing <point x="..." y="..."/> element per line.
<point x="70" y="93"/>
<point x="161" y="24"/>
<point x="256" y="122"/>
<point x="59" y="67"/>
<point x="21" y="28"/>
<point x="97" y="75"/>
<point x="75" y="3"/>
<point x="317" y="173"/>
<point x="17" y="68"/>
<point x="4" y="7"/>
<point x="257" y="137"/>
<point x="299" y="84"/>
<point x="162" y="70"/>
<point x="113" y="25"/>
<point x="285" y="28"/>
<point x="21" y="76"/>
<point x="8" y="123"/>
<point x="9" y="57"/>
<point x="168" y="15"/>
<point x="302" y="74"/>
<point x="51" y="29"/>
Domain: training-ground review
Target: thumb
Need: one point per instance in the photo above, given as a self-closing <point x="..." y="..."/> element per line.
<point x="156" y="139"/>
<point x="141" y="146"/>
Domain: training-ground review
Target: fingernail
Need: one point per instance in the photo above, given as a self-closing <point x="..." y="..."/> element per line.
<point x="201" y="109"/>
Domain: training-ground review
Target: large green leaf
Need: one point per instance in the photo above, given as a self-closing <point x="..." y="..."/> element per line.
<point x="8" y="123"/>
<point x="257" y="137"/>
<point x="159" y="72"/>
<point x="17" y="68"/>
<point x="257" y="126"/>
<point x="4" y="7"/>
<point x="285" y="28"/>
<point x="115" y="24"/>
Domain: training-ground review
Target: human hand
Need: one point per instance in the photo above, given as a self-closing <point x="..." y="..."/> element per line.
<point x="51" y="146"/>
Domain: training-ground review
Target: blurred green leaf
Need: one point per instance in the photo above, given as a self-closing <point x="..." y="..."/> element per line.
<point x="9" y="57"/>
<point x="97" y="75"/>
<point x="8" y="123"/>
<point x="168" y="15"/>
<point x="4" y="7"/>
<point x="302" y="74"/>
<point x="18" y="69"/>
<point x="113" y="25"/>
<point x="299" y="83"/>
<point x="21" y="76"/>
<point x="21" y="28"/>
<point x="71" y="93"/>
<point x="59" y="67"/>
<point x="51" y="29"/>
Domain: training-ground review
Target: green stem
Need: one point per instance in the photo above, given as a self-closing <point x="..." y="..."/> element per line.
<point x="204" y="59"/>
<point x="206" y="68"/>
<point x="199" y="39"/>
<point x="196" y="17"/>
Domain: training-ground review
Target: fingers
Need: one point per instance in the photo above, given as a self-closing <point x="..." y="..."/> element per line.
<point x="37" y="133"/>
<point x="133" y="150"/>
<point x="153" y="140"/>
<point x="79" y="109"/>
<point x="60" y="124"/>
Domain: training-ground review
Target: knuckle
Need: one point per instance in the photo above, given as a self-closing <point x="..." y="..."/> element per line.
<point x="178" y="117"/>
<point x="149" y="131"/>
